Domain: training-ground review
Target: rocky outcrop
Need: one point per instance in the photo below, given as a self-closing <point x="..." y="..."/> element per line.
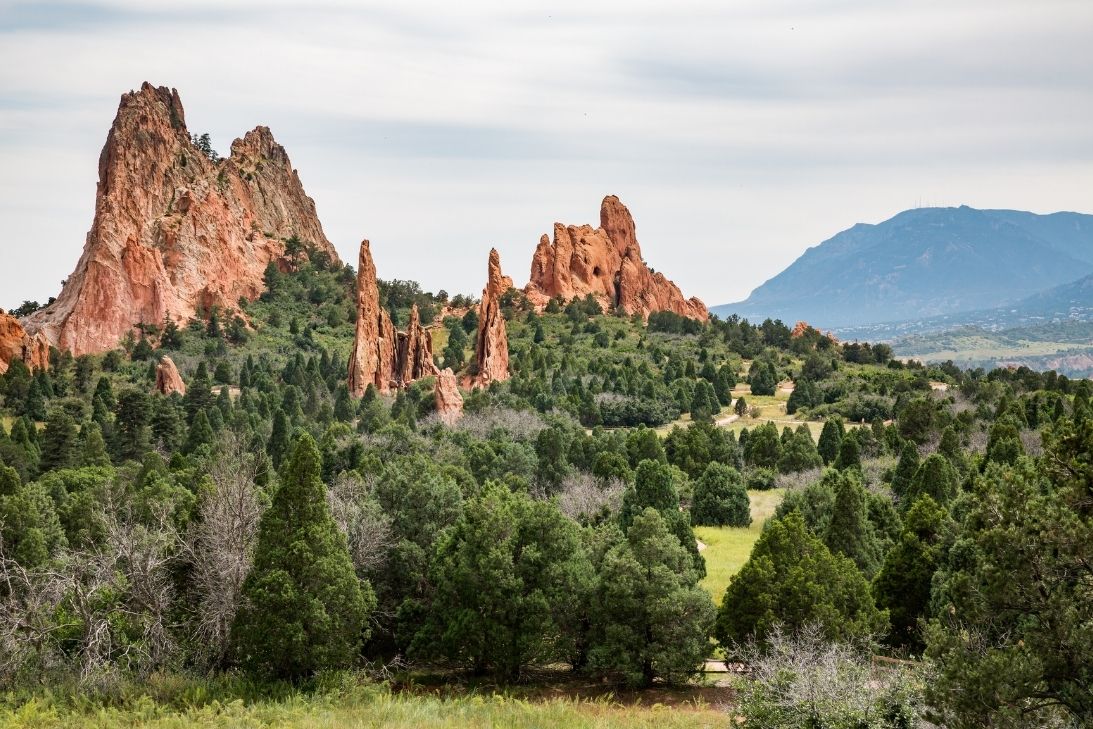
<point x="415" y="351"/>
<point x="382" y="356"/>
<point x="176" y="231"/>
<point x="372" y="361"/>
<point x="492" y="345"/>
<point x="16" y="343"/>
<point x="605" y="262"/>
<point x="168" y="379"/>
<point x="449" y="403"/>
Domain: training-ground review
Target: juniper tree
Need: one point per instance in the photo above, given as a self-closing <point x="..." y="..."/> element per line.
<point x="303" y="609"/>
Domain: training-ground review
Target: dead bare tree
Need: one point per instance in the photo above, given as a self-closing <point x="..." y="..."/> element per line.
<point x="583" y="496"/>
<point x="220" y="544"/>
<point x="361" y="518"/>
<point x="108" y="602"/>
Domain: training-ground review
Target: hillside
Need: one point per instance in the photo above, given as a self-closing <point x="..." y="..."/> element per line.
<point x="925" y="263"/>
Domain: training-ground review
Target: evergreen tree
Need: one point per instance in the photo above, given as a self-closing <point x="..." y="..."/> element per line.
<point x="510" y="577"/>
<point x="831" y="438"/>
<point x="650" y="618"/>
<point x="720" y="498"/>
<point x="850" y="532"/>
<point x="278" y="445"/>
<point x="93" y="446"/>
<point x="60" y="442"/>
<point x="903" y="584"/>
<point x="935" y="478"/>
<point x="905" y="471"/>
<point x="201" y="433"/>
<point x="302" y="607"/>
<point x="849" y="453"/>
<point x="792" y="580"/>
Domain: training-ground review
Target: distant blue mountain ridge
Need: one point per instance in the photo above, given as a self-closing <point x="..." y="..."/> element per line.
<point x="931" y="262"/>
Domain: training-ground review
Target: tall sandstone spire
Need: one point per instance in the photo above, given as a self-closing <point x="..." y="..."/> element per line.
<point x="492" y="344"/>
<point x="382" y="356"/>
<point x="607" y="263"/>
<point x="175" y="231"/>
<point x="373" y="359"/>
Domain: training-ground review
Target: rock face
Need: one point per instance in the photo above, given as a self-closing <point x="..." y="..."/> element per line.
<point x="449" y="403"/>
<point x="16" y="343"/>
<point x="605" y="262"/>
<point x="168" y="379"/>
<point x="175" y="231"/>
<point x="415" y="351"/>
<point x="492" y="344"/>
<point x="381" y="356"/>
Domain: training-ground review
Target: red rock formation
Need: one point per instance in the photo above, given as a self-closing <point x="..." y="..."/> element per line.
<point x="373" y="359"/>
<point x="492" y="344"/>
<point x="16" y="343"/>
<point x="174" y="231"/>
<point x="415" y="351"/>
<point x="449" y="403"/>
<point x="382" y="356"/>
<point x="168" y="379"/>
<point x="605" y="262"/>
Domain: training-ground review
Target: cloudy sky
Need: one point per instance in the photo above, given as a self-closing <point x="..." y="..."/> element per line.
<point x="738" y="133"/>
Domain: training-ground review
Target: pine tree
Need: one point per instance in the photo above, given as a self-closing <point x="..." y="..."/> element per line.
<point x="59" y="442"/>
<point x="201" y="433"/>
<point x="849" y="453"/>
<point x="303" y="608"/>
<point x="93" y="446"/>
<point x="935" y="478"/>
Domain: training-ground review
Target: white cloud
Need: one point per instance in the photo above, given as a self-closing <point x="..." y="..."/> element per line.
<point x="738" y="133"/>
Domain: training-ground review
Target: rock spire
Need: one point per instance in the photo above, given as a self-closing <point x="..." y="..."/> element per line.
<point x="168" y="379"/>
<point x="492" y="344"/>
<point x="449" y="403"/>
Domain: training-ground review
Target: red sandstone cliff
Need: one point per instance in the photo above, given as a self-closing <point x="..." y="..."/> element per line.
<point x="174" y="231"/>
<point x="16" y="343"/>
<point x="605" y="262"/>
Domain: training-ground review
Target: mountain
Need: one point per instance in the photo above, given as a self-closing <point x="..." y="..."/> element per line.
<point x="176" y="228"/>
<point x="924" y="263"/>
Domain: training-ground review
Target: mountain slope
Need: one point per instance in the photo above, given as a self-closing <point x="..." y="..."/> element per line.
<point x="925" y="262"/>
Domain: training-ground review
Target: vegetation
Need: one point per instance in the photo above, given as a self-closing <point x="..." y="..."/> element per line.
<point x="268" y="532"/>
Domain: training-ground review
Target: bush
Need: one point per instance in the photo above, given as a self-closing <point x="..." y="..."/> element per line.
<point x="801" y="681"/>
<point x="761" y="479"/>
<point x="720" y="498"/>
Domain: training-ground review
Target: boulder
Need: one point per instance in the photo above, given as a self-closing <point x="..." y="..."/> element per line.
<point x="17" y="343"/>
<point x="168" y="379"/>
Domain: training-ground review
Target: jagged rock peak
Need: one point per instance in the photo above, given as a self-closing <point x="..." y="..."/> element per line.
<point x="607" y="263"/>
<point x="176" y="230"/>
<point x="382" y="356"/>
<point x="492" y="344"/>
<point x="17" y="344"/>
<point x="168" y="379"/>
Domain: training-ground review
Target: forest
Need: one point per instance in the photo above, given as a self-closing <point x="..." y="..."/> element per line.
<point x="930" y="561"/>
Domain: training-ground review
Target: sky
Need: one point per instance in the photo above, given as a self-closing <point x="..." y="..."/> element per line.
<point x="738" y="133"/>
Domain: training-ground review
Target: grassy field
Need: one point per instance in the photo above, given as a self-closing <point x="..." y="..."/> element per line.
<point x="369" y="707"/>
<point x="728" y="548"/>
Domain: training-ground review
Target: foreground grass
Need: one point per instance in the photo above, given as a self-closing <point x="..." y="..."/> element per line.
<point x="728" y="548"/>
<point x="362" y="707"/>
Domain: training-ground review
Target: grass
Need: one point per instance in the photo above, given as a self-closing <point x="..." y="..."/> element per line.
<point x="728" y="548"/>
<point x="365" y="706"/>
